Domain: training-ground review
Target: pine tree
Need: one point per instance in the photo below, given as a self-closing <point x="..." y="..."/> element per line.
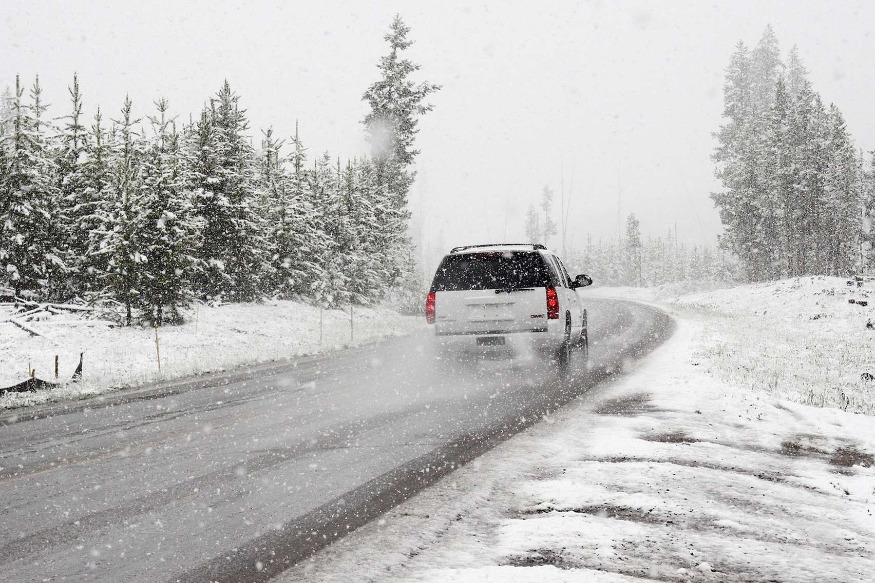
<point x="122" y="219"/>
<point x="362" y="268"/>
<point x="28" y="238"/>
<point x="868" y="212"/>
<point x="779" y="197"/>
<point x="396" y="102"/>
<point x="549" y="228"/>
<point x="306" y="235"/>
<point x="329" y="289"/>
<point x="75" y="204"/>
<point x="736" y="164"/>
<point x="94" y="208"/>
<point x="169" y="234"/>
<point x="370" y="206"/>
<point x="765" y="70"/>
<point x="811" y="132"/>
<point x="232" y="255"/>
<point x="841" y="219"/>
<point x="275" y="201"/>
<point x="633" y="267"/>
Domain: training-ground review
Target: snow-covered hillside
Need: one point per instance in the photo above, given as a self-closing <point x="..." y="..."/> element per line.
<point x="682" y="470"/>
<point x="213" y="339"/>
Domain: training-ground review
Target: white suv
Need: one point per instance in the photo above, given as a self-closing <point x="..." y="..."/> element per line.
<point x="498" y="297"/>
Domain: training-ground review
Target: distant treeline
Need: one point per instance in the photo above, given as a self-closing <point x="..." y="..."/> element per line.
<point x="147" y="215"/>
<point x="796" y="197"/>
<point x="651" y="262"/>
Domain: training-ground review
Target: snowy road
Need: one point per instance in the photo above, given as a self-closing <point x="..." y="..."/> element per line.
<point x="235" y="477"/>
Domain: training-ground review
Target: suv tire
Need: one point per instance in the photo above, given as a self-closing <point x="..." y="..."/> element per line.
<point x="564" y="354"/>
<point x="583" y="340"/>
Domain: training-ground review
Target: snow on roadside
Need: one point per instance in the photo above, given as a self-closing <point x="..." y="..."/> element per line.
<point x="799" y="339"/>
<point x="810" y="340"/>
<point x="669" y="474"/>
<point x="212" y="339"/>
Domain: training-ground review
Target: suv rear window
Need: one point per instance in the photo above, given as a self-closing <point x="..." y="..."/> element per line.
<point x="509" y="270"/>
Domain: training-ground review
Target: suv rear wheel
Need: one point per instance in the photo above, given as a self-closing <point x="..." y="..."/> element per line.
<point x="583" y="340"/>
<point x="564" y="354"/>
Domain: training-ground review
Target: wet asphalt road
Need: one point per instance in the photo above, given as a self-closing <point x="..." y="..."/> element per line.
<point x="237" y="476"/>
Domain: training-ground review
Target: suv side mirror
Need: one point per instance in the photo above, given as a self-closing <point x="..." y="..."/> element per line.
<point x="581" y="281"/>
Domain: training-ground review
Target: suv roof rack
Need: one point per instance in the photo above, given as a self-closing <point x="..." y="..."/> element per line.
<point x="466" y="247"/>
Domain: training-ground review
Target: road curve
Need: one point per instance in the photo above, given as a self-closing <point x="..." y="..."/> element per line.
<point x="238" y="476"/>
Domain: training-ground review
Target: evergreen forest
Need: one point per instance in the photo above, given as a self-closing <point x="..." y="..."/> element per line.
<point x="797" y="197"/>
<point x="146" y="215"/>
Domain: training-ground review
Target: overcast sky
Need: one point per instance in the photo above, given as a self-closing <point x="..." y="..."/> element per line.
<point x="619" y="98"/>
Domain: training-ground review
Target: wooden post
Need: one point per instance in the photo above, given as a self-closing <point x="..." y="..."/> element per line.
<point x="157" y="349"/>
<point x="350" y="324"/>
<point x="56" y="366"/>
<point x="320" y="325"/>
<point x="196" y="312"/>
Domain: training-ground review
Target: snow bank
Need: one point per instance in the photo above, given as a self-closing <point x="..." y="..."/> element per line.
<point x="809" y="340"/>
<point x="213" y="339"/>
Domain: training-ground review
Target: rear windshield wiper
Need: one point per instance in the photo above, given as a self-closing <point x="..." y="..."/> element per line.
<point x="513" y="289"/>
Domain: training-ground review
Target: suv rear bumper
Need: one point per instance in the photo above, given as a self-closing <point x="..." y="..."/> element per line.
<point x="493" y="332"/>
<point x="542" y="340"/>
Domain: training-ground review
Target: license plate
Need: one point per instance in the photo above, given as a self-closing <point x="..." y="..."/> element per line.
<point x="490" y="341"/>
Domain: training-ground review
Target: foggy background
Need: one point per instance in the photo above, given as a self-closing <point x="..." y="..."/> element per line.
<point x="615" y="101"/>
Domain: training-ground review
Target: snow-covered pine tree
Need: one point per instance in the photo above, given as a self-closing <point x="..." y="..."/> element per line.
<point x="121" y="220"/>
<point x="801" y="106"/>
<point x="779" y="184"/>
<point x="840" y="224"/>
<point x="29" y="254"/>
<point x="96" y="204"/>
<point x="343" y="232"/>
<point x="275" y="202"/>
<point x="232" y="252"/>
<point x="361" y="285"/>
<point x="396" y="102"/>
<point x="369" y="210"/>
<point x="305" y="235"/>
<point x="210" y="206"/>
<point x="324" y="198"/>
<point x="549" y="225"/>
<point x="812" y="131"/>
<point x="765" y="70"/>
<point x="169" y="236"/>
<point x="75" y="205"/>
<point x="735" y="156"/>
<point x="633" y="273"/>
<point x="868" y="211"/>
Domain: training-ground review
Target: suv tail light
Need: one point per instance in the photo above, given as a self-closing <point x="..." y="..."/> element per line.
<point x="429" y="308"/>
<point x="552" y="304"/>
